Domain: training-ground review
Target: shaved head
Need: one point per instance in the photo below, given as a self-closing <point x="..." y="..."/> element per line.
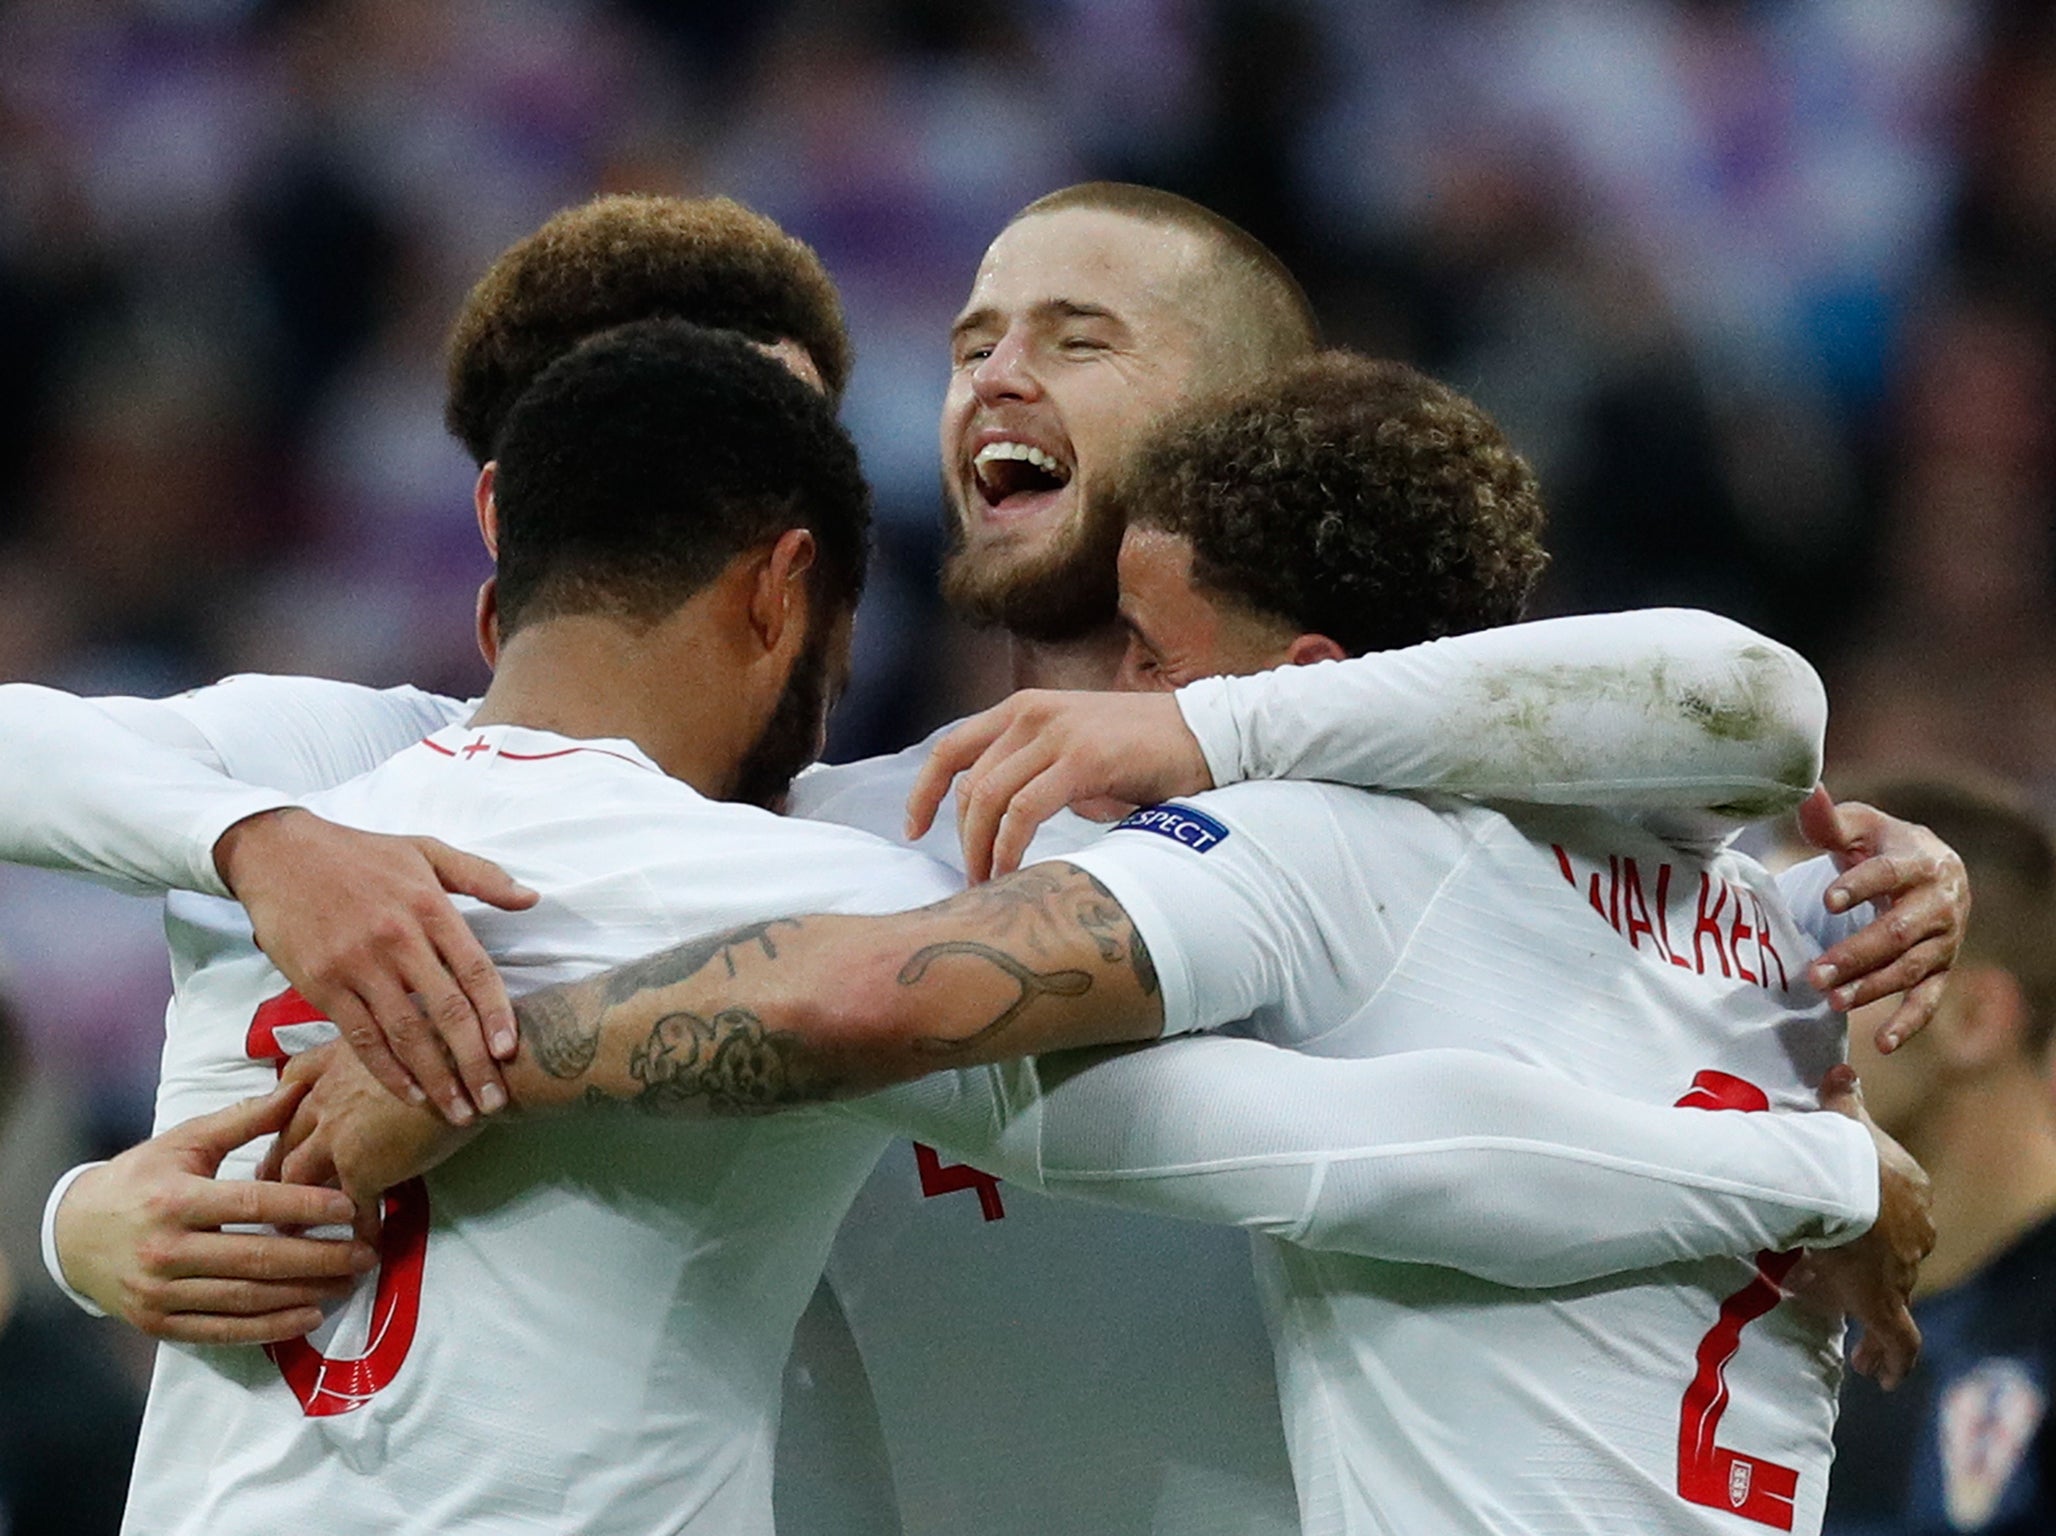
<point x="1258" y="317"/>
<point x="1096" y="311"/>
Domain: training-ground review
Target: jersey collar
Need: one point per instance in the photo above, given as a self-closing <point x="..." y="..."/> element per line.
<point x="521" y="744"/>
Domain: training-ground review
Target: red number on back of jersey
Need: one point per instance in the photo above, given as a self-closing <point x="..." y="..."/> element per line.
<point x="329" y="1384"/>
<point x="1708" y="1473"/>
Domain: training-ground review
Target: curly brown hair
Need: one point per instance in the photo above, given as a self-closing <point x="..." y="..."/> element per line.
<point x="1349" y="497"/>
<point x="617" y="259"/>
<point x="648" y="457"/>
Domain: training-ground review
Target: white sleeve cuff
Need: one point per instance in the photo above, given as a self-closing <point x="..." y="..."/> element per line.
<point x="1210" y="715"/>
<point x="216" y="817"/>
<point x="1804" y="886"/>
<point x="50" y="1260"/>
<point x="1847" y="1146"/>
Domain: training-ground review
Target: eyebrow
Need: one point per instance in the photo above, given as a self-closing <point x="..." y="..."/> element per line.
<point x="1134" y="627"/>
<point x="972" y="320"/>
<point x="1071" y="309"/>
<point x="1060" y="309"/>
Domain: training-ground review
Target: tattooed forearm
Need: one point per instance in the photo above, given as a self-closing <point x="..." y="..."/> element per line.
<point x="1032" y="984"/>
<point x="729" y="1064"/>
<point x="563" y="1024"/>
<point x="1107" y="921"/>
<point x="671" y="966"/>
<point x="560" y="1028"/>
<point x="564" y="1027"/>
<point x="1039" y="912"/>
<point x="805" y="1009"/>
<point x="1102" y="922"/>
<point x="1145" y="967"/>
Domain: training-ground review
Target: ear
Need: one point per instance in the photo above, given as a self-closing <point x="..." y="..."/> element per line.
<point x="1305" y="650"/>
<point x="488" y="621"/>
<point x="487" y="510"/>
<point x="778" y="598"/>
<point x="1984" y="1017"/>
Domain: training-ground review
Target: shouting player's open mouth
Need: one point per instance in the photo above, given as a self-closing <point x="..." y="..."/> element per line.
<point x="1015" y="478"/>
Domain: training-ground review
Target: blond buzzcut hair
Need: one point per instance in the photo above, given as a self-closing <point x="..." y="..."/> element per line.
<point x="1259" y="317"/>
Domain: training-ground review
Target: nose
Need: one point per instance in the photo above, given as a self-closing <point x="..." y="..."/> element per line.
<point x="1007" y="372"/>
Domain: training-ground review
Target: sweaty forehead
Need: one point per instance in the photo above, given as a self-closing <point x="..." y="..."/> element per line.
<point x="1087" y="256"/>
<point x="1155" y="569"/>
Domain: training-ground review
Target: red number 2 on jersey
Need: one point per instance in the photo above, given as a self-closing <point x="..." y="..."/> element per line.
<point x="329" y="1384"/>
<point x="1709" y="1473"/>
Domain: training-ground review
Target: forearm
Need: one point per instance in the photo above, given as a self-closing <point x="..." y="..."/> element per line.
<point x="91" y="792"/>
<point x="1666" y="710"/>
<point x="1436" y="1157"/>
<point x="698" y="1029"/>
<point x="799" y="1010"/>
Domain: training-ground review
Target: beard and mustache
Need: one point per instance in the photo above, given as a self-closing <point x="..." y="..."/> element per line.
<point x="792" y="737"/>
<point x="1062" y="590"/>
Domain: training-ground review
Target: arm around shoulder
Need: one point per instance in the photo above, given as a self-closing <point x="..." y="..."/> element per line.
<point x="804" y="1009"/>
<point x="1449" y="1158"/>
<point x="1667" y="710"/>
<point x="126" y="791"/>
<point x="136" y="792"/>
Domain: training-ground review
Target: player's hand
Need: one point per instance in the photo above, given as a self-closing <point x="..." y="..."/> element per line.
<point x="350" y="1132"/>
<point x="142" y="1237"/>
<point x="1022" y="761"/>
<point x="1872" y="1279"/>
<point x="361" y="924"/>
<point x="1923" y="896"/>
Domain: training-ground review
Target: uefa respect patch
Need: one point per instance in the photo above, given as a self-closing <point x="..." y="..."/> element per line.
<point x="1180" y="823"/>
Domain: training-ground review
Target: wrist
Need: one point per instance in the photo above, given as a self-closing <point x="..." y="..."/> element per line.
<point x="531" y="1091"/>
<point x="1191" y="774"/>
<point x="1205" y="709"/>
<point x="60" y="1232"/>
<point x="240" y="848"/>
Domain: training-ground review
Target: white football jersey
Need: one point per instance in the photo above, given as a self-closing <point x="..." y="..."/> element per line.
<point x="1140" y="1396"/>
<point x="1177" y="1429"/>
<point x="1419" y="1401"/>
<point x="579" y="1326"/>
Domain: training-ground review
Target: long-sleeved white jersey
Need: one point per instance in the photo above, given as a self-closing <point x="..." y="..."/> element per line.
<point x="580" y="1323"/>
<point x="1163" y="1416"/>
<point x="1689" y="1398"/>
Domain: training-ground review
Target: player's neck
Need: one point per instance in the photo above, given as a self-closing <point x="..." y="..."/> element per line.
<point x="1991" y="1152"/>
<point x="1089" y="663"/>
<point x="587" y="677"/>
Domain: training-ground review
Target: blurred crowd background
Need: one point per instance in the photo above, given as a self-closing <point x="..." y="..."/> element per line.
<point x="1767" y="292"/>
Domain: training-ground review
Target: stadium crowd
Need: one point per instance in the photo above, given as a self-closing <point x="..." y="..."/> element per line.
<point x="1763" y="290"/>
